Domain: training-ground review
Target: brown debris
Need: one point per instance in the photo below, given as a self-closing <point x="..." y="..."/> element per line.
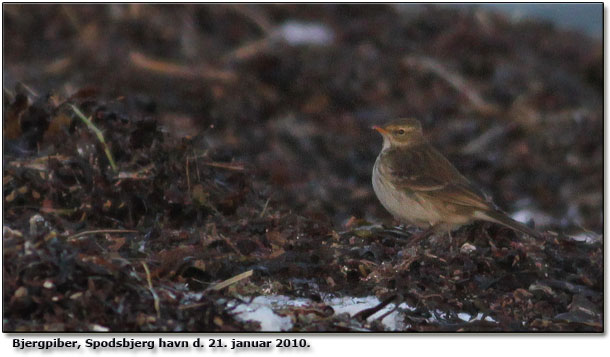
<point x="240" y="179"/>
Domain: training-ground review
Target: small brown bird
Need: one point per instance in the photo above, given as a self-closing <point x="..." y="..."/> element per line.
<point x="419" y="186"/>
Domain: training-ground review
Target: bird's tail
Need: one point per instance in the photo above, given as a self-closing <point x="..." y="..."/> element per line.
<point x="503" y="219"/>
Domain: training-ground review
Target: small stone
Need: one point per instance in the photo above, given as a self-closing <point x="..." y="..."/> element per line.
<point x="36" y="224"/>
<point x="8" y="232"/>
<point x="467" y="248"/>
<point x="21" y="292"/>
<point x="99" y="328"/>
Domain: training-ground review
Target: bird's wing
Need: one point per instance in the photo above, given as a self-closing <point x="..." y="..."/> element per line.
<point x="425" y="171"/>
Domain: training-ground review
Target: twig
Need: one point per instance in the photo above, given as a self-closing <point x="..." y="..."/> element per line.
<point x="253" y="15"/>
<point x="265" y="208"/>
<point x="97" y="231"/>
<point x="455" y="80"/>
<point x="248" y="50"/>
<point x="188" y="178"/>
<point x="432" y="256"/>
<point x="192" y="306"/>
<point x="230" y="244"/>
<point x="31" y="91"/>
<point x="197" y="170"/>
<point x="254" y="47"/>
<point x="59" y="211"/>
<point x="485" y="139"/>
<point x="98" y="133"/>
<point x="366" y="313"/>
<point x="225" y="165"/>
<point x="152" y="291"/>
<point x="231" y="281"/>
<point x="39" y="163"/>
<point x="176" y="70"/>
<point x="383" y="316"/>
<point x="419" y="237"/>
<point x="72" y="18"/>
<point x="235" y="166"/>
<point x="58" y="66"/>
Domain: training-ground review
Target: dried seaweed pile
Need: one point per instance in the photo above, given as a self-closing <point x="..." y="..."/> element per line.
<point x="231" y="145"/>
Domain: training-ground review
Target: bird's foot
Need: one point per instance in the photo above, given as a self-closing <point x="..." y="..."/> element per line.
<point x="415" y="239"/>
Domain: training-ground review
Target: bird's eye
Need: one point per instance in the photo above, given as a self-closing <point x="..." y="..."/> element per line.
<point x="400" y="132"/>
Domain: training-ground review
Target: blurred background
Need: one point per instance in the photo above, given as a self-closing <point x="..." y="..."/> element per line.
<point x="583" y="17"/>
<point x="512" y="94"/>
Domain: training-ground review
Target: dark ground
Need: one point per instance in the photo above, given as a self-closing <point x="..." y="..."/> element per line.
<point x="238" y="149"/>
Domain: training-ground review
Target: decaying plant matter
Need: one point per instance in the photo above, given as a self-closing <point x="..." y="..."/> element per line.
<point x="243" y="155"/>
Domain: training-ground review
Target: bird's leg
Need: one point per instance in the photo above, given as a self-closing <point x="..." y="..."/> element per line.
<point x="397" y="223"/>
<point x="420" y="236"/>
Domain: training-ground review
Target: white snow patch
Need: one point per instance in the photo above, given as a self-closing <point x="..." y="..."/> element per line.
<point x="353" y="305"/>
<point x="297" y="33"/>
<point x="262" y="309"/>
<point x="464" y="316"/>
<point x="525" y="215"/>
<point x="467" y="317"/>
<point x="586" y="237"/>
<point x="268" y="319"/>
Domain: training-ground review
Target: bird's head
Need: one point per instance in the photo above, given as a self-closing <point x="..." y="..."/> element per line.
<point x="401" y="133"/>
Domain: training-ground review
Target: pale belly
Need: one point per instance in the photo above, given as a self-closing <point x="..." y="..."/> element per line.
<point x="402" y="206"/>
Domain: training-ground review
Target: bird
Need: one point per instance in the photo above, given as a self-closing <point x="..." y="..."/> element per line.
<point x="419" y="186"/>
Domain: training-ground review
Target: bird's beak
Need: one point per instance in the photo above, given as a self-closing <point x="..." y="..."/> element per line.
<point x="380" y="130"/>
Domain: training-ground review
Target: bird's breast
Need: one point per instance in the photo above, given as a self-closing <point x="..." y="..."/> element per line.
<point x="401" y="204"/>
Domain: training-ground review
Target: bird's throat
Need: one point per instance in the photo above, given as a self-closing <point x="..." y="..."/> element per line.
<point x="386" y="144"/>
